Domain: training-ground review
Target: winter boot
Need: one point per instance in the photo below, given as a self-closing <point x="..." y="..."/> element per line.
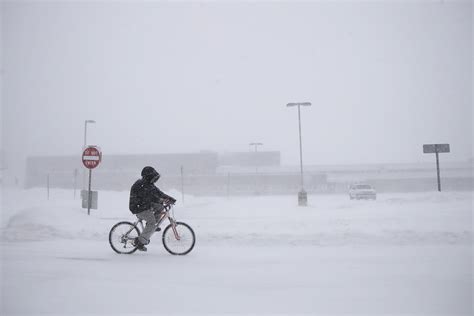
<point x="139" y="245"/>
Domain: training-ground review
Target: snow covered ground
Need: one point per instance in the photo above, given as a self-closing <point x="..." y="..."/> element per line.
<point x="407" y="254"/>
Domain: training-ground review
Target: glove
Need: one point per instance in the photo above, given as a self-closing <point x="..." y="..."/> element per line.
<point x="170" y="200"/>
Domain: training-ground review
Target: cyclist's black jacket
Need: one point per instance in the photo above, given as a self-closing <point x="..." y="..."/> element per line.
<point x="144" y="193"/>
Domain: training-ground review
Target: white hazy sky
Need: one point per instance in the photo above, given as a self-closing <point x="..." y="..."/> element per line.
<point x="384" y="77"/>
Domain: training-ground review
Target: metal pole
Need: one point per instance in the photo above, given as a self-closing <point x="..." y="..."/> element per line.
<point x="256" y="170"/>
<point x="256" y="158"/>
<point x="85" y="135"/>
<point x="256" y="164"/>
<point x="84" y="147"/>
<point x="182" y="184"/>
<point x="75" y="182"/>
<point x="228" y="184"/>
<point x="437" y="170"/>
<point x="302" y="196"/>
<point x="301" y="148"/>
<point x="47" y="184"/>
<point x="90" y="195"/>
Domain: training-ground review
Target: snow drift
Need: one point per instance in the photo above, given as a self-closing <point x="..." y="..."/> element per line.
<point x="402" y="219"/>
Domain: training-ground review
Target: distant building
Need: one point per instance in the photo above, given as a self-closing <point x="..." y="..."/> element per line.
<point x="209" y="173"/>
<point x="117" y="171"/>
<point x="250" y="159"/>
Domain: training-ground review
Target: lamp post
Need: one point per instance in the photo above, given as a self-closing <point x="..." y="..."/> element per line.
<point x="84" y="147"/>
<point x="85" y="131"/>
<point x="302" y="196"/>
<point x="256" y="164"/>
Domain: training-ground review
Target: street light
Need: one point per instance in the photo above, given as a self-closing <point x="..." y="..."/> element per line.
<point x="302" y="196"/>
<point x="85" y="145"/>
<point x="256" y="163"/>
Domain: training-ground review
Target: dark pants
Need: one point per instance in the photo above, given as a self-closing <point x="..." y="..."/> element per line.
<point x="151" y="217"/>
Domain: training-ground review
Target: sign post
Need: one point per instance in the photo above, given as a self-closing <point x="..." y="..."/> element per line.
<point x="182" y="184"/>
<point x="91" y="158"/>
<point x="47" y="184"/>
<point x="75" y="182"/>
<point x="436" y="149"/>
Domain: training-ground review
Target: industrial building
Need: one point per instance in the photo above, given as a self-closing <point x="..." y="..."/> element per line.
<point x="210" y="173"/>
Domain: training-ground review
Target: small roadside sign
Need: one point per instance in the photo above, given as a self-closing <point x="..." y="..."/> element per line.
<point x="91" y="158"/>
<point x="93" y="199"/>
<point x="436" y="149"/>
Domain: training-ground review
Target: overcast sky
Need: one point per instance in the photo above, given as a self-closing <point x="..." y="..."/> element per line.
<point x="383" y="77"/>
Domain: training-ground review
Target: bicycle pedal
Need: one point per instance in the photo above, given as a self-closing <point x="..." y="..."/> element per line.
<point x="142" y="248"/>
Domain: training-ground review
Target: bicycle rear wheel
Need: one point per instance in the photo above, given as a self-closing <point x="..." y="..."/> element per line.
<point x="121" y="237"/>
<point x="186" y="241"/>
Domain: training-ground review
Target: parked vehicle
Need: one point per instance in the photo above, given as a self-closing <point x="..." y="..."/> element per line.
<point x="362" y="191"/>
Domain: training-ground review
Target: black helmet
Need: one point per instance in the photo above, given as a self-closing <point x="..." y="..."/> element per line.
<point x="150" y="174"/>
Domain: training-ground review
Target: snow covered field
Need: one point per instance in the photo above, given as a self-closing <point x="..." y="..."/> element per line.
<point x="407" y="254"/>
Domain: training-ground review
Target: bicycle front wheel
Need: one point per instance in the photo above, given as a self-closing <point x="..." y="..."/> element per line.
<point x="121" y="237"/>
<point x="181" y="241"/>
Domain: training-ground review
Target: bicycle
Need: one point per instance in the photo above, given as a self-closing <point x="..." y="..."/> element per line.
<point x="178" y="237"/>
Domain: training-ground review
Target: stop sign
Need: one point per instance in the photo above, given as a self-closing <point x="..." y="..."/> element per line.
<point x="91" y="157"/>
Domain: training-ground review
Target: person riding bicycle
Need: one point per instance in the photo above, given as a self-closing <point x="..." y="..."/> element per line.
<point x="146" y="202"/>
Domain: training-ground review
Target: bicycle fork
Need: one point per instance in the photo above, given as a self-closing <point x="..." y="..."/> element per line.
<point x="172" y="222"/>
<point x="173" y="226"/>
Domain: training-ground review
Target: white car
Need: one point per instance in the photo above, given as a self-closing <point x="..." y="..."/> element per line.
<point x="362" y="191"/>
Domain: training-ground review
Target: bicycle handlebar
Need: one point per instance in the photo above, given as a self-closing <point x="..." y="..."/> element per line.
<point x="168" y="204"/>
